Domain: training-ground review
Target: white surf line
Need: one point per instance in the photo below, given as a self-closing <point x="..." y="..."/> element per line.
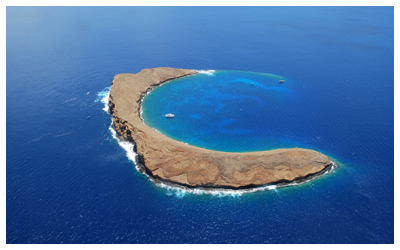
<point x="208" y="72"/>
<point x="129" y="147"/>
<point x="104" y="96"/>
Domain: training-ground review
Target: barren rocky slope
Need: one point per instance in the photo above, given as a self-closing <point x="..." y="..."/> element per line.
<point x="173" y="161"/>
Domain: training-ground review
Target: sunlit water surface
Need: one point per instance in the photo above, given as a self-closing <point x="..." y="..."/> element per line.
<point x="70" y="180"/>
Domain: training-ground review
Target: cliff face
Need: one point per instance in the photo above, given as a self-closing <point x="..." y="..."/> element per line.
<point x="174" y="161"/>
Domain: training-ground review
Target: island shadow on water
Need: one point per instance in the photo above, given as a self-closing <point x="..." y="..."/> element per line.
<point x="288" y="166"/>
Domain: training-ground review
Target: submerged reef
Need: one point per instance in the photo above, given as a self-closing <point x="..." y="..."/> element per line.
<point x="175" y="162"/>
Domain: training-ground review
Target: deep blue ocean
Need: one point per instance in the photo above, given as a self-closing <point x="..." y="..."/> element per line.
<point x="70" y="181"/>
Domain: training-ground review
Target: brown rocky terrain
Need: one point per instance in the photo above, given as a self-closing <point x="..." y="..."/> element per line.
<point x="173" y="161"/>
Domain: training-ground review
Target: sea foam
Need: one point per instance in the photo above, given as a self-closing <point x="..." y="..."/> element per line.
<point x="103" y="96"/>
<point x="208" y="72"/>
<point x="127" y="146"/>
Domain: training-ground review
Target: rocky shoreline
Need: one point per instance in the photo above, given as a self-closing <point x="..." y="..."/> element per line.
<point x="170" y="161"/>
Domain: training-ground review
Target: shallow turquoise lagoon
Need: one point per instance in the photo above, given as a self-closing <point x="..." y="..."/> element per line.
<point x="234" y="111"/>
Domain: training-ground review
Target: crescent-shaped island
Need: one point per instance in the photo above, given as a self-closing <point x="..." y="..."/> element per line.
<point x="175" y="162"/>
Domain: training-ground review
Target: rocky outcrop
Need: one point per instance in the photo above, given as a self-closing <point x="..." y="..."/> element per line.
<point x="173" y="161"/>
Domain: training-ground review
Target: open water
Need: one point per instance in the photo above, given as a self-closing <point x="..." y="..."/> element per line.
<point x="70" y="181"/>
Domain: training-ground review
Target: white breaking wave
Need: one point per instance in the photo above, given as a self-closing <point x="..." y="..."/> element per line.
<point x="208" y="72"/>
<point x="180" y="191"/>
<point x="103" y="96"/>
<point x="127" y="146"/>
